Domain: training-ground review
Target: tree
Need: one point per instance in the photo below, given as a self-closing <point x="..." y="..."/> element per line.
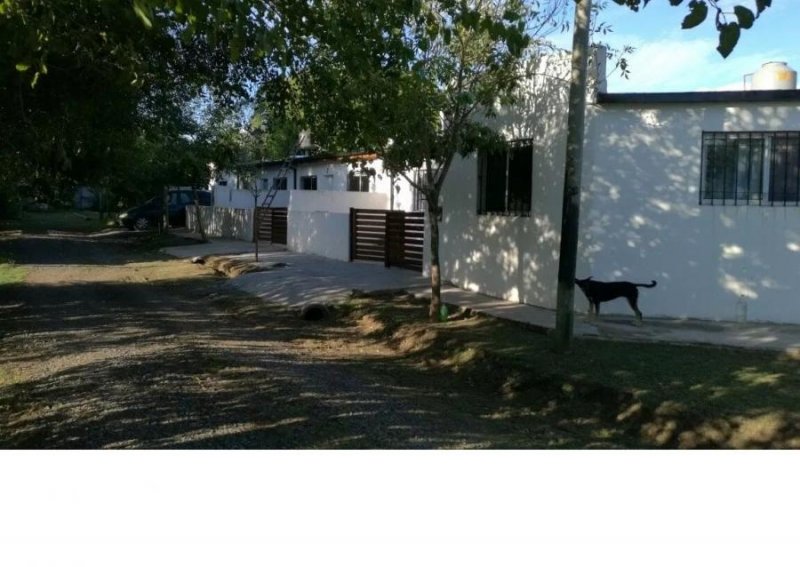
<point x="418" y="85"/>
<point x="728" y="24"/>
<point x="84" y="83"/>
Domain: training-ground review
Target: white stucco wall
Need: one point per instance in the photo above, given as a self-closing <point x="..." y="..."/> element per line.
<point x="512" y="257"/>
<point x="640" y="214"/>
<point x="222" y="222"/>
<point x="319" y="221"/>
<point x="331" y="176"/>
<point x="641" y="217"/>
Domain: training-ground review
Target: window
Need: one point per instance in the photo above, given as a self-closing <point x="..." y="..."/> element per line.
<point x="420" y="203"/>
<point x="222" y="182"/>
<point x="751" y="168"/>
<point x="358" y="181"/>
<point x="279" y="183"/>
<point x="308" y="183"/>
<point x="504" y="179"/>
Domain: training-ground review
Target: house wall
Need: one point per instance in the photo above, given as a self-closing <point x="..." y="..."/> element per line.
<point x="319" y="221"/>
<point x="641" y="218"/>
<point x="512" y="257"/>
<point x="640" y="213"/>
<point x="331" y="176"/>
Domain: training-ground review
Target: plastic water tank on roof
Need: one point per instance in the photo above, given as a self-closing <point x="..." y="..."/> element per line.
<point x="775" y="76"/>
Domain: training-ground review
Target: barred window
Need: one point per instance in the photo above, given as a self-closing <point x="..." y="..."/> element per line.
<point x="279" y="183"/>
<point x="751" y="168"/>
<point x="504" y="179"/>
<point x="358" y="181"/>
<point x="308" y="183"/>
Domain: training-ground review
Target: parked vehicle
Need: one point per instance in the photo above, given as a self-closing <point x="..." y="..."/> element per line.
<point x="148" y="215"/>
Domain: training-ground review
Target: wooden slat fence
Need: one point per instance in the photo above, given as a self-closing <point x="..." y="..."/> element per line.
<point x="395" y="238"/>
<point x="272" y="224"/>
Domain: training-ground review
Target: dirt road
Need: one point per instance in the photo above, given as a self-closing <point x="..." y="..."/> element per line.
<point x="105" y="346"/>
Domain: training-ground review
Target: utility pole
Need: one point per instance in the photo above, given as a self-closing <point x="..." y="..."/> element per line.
<point x="570" y="211"/>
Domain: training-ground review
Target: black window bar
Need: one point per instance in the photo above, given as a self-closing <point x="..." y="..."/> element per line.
<point x="750" y="168"/>
<point x="505" y="179"/>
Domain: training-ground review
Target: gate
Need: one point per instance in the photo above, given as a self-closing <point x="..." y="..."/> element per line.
<point x="271" y="224"/>
<point x="395" y="238"/>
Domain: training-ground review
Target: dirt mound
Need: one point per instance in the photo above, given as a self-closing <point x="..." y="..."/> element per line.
<point x="231" y="267"/>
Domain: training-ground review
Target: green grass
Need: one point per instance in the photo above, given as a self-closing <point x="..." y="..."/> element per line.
<point x="10" y="273"/>
<point x="69" y="221"/>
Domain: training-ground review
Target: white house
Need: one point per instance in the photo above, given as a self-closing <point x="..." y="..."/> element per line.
<point x="354" y="172"/>
<point x="318" y="190"/>
<point x="699" y="191"/>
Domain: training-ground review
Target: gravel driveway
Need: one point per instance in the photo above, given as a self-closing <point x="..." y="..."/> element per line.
<point x="108" y="346"/>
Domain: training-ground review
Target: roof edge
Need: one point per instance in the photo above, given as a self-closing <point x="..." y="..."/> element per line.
<point x="699" y="97"/>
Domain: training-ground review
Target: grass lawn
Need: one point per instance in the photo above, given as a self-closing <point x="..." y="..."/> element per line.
<point x="10" y="273"/>
<point x="675" y="395"/>
<point x="70" y="221"/>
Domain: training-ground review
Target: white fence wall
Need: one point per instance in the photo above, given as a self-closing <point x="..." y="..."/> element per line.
<point x="222" y="222"/>
<point x="319" y="221"/>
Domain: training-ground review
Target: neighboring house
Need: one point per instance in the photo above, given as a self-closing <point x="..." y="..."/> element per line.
<point x="354" y="172"/>
<point x="319" y="190"/>
<point x="699" y="191"/>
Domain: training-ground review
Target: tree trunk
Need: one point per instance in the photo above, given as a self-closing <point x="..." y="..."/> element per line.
<point x="198" y="217"/>
<point x="570" y="212"/>
<point x="436" y="275"/>
<point x="255" y="223"/>
<point x="165" y="216"/>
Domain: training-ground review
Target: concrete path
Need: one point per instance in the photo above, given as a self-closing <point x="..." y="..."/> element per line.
<point x="305" y="278"/>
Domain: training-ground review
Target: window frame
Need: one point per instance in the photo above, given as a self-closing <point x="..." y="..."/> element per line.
<point x="361" y="176"/>
<point x="283" y="186"/>
<point x="765" y="169"/>
<point x="523" y="210"/>
<point x="312" y="178"/>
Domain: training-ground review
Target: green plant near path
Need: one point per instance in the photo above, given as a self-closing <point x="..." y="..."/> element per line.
<point x="9" y="272"/>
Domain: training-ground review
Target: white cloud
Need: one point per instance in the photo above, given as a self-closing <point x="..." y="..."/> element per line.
<point x="673" y="64"/>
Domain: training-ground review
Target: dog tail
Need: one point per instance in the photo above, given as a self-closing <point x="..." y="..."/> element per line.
<point x="651" y="284"/>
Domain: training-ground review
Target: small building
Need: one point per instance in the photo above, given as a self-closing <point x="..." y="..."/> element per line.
<point x="313" y="198"/>
<point x="699" y="191"/>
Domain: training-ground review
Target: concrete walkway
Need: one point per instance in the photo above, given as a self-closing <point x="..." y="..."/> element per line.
<point x="297" y="279"/>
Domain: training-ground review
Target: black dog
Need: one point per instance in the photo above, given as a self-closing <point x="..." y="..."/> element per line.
<point x="598" y="292"/>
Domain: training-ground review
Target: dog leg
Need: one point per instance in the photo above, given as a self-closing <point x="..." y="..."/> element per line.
<point x="633" y="302"/>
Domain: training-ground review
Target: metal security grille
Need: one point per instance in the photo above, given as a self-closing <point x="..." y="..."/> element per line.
<point x="271" y="224"/>
<point x="751" y="168"/>
<point x="504" y="179"/>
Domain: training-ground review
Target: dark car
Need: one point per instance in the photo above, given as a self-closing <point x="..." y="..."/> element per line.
<point x="148" y="215"/>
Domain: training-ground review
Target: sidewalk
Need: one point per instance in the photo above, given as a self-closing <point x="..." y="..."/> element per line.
<point x="295" y="279"/>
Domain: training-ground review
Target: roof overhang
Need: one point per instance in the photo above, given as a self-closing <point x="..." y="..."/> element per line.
<point x="703" y="97"/>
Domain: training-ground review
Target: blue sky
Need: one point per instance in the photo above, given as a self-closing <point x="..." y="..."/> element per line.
<point x="668" y="58"/>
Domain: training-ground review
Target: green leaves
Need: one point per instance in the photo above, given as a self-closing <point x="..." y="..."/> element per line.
<point x="762" y="5"/>
<point x="729" y="29"/>
<point x="22" y="67"/>
<point x="697" y="15"/>
<point x="745" y="17"/>
<point x="728" y="38"/>
<point x="143" y="11"/>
